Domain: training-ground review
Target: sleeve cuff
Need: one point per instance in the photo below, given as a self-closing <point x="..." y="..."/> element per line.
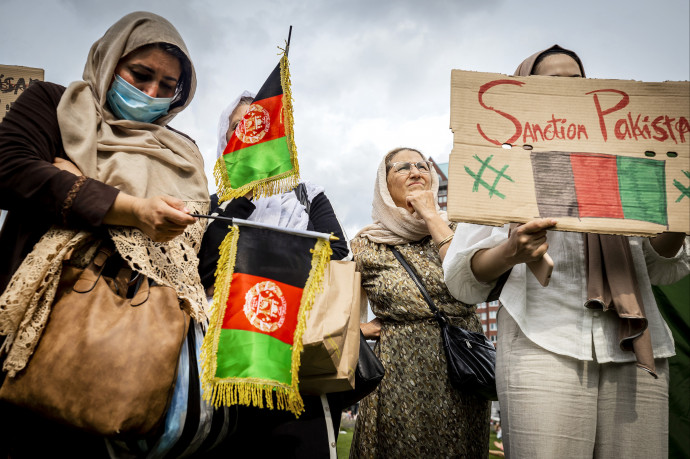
<point x="92" y="201"/>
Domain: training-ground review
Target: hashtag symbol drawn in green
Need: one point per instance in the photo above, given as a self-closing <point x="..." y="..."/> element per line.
<point x="684" y="190"/>
<point x="478" y="180"/>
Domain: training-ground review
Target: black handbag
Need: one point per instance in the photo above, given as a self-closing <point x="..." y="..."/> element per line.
<point x="368" y="374"/>
<point x="471" y="357"/>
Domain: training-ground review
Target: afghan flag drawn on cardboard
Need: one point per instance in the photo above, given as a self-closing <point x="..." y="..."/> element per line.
<point x="266" y="282"/>
<point x="261" y="154"/>
<point x="585" y="185"/>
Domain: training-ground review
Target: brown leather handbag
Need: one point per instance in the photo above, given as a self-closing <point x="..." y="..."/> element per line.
<point x="105" y="363"/>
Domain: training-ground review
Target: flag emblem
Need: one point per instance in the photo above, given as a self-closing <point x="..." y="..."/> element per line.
<point x="265" y="306"/>
<point x="254" y="125"/>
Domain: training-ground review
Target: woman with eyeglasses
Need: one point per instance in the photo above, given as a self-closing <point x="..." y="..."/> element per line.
<point x="414" y="412"/>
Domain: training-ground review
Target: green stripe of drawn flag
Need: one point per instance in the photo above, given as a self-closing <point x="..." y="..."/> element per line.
<point x="265" y="284"/>
<point x="261" y="155"/>
<point x="586" y="185"/>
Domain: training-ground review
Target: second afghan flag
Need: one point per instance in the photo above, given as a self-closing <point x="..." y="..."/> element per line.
<point x="261" y="154"/>
<point x="587" y="185"/>
<point x="265" y="284"/>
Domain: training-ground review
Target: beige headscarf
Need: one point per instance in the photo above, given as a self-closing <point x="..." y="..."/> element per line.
<point x="140" y="159"/>
<point x="392" y="224"/>
<point x="611" y="278"/>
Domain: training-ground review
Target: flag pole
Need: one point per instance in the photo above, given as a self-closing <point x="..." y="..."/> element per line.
<point x="297" y="232"/>
<point x="213" y="217"/>
<point x="287" y="47"/>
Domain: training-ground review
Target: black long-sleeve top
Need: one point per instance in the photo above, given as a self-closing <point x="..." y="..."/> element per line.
<point x="35" y="193"/>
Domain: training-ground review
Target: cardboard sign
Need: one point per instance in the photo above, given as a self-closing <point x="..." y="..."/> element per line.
<point x="14" y="80"/>
<point x="601" y="156"/>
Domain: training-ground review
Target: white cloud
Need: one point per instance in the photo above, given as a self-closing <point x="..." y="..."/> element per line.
<point x="367" y="76"/>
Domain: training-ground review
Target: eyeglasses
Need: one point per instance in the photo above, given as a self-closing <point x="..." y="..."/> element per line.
<point x="405" y="168"/>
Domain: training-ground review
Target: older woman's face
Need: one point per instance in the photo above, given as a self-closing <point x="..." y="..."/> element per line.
<point x="401" y="185"/>
<point x="558" y="65"/>
<point x="151" y="70"/>
<point x="235" y="118"/>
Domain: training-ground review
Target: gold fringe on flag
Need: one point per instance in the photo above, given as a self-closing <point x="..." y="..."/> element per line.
<point x="254" y="391"/>
<point x="276" y="184"/>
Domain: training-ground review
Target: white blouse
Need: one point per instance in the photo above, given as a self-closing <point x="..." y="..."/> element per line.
<point x="554" y="317"/>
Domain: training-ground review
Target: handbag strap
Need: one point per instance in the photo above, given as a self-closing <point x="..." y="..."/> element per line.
<point x="413" y="274"/>
<point x="301" y="192"/>
<point x="93" y="272"/>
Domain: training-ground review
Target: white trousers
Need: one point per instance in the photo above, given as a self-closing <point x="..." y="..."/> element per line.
<point x="557" y="406"/>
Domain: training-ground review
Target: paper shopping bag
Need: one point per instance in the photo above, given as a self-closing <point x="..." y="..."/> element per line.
<point x="342" y="377"/>
<point x="327" y="324"/>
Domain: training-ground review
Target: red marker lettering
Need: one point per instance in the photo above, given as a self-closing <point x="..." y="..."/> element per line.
<point x="528" y="133"/>
<point x="683" y="128"/>
<point x="659" y="130"/>
<point x="621" y="133"/>
<point x="602" y="113"/>
<point x="669" y="127"/>
<point x="518" y="128"/>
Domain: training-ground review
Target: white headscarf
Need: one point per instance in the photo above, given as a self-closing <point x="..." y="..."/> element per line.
<point x="392" y="224"/>
<point x="224" y="121"/>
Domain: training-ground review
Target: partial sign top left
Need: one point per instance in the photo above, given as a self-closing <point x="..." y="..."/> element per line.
<point x="14" y="80"/>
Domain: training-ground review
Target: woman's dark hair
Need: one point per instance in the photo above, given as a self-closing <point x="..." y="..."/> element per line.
<point x="558" y="50"/>
<point x="389" y="156"/>
<point x="184" y="84"/>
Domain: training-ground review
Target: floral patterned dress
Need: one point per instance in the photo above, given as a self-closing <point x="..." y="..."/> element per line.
<point x="415" y="412"/>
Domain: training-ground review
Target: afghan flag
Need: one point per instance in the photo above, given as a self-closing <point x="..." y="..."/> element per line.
<point x="585" y="185"/>
<point x="261" y="154"/>
<point x="266" y="281"/>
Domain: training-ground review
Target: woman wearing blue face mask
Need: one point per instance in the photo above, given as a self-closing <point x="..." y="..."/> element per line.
<point x="97" y="162"/>
<point x="145" y="82"/>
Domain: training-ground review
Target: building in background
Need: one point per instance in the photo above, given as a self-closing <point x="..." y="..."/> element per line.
<point x="487" y="315"/>
<point x="442" y="171"/>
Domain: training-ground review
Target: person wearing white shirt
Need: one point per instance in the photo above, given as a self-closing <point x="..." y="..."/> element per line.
<point x="565" y="386"/>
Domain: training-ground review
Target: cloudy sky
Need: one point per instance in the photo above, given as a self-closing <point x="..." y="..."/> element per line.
<point x="367" y="76"/>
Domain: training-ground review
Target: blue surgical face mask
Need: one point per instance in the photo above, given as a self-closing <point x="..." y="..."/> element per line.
<point x="128" y="103"/>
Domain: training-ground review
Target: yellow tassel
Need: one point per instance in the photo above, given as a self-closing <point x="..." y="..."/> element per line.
<point x="321" y="255"/>
<point x="226" y="266"/>
<point x="287" y="111"/>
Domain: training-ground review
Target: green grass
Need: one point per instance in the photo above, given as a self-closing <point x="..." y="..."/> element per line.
<point x="492" y="439"/>
<point x="345" y="440"/>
